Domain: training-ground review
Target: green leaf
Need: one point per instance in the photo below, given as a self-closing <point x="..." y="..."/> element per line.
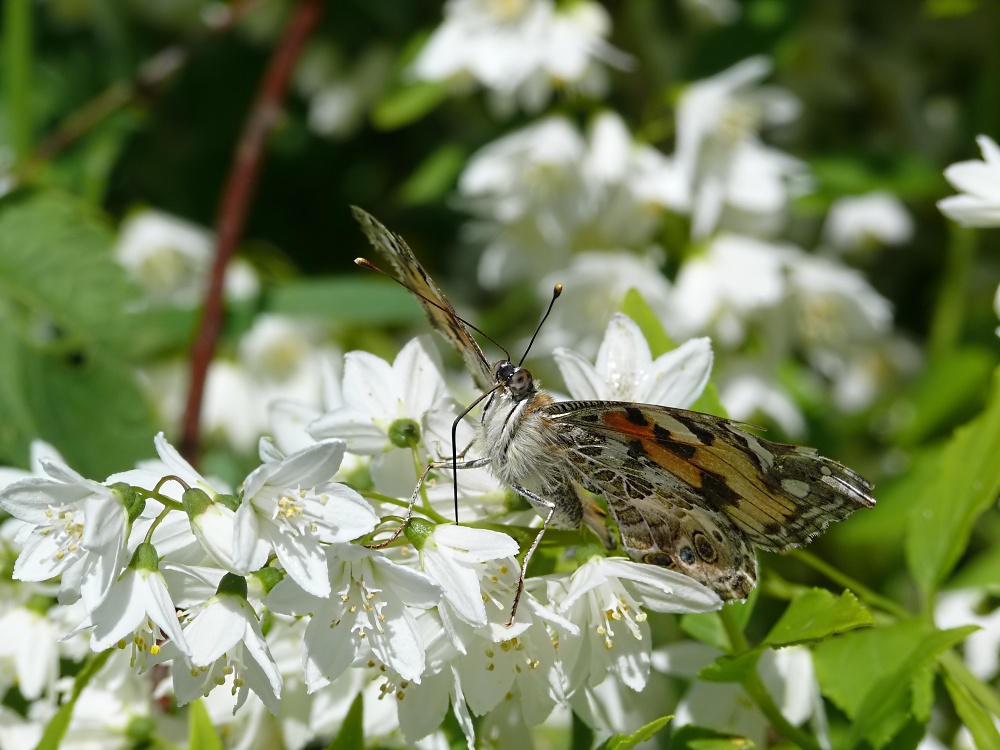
<point x="848" y="665"/>
<point x="92" y="410"/>
<point x="201" y="733"/>
<point x="817" y="614"/>
<point x="435" y="176"/>
<point x="966" y="484"/>
<point x="895" y="697"/>
<point x="60" y="289"/>
<point x="636" y="307"/>
<point x="978" y="720"/>
<point x="55" y="730"/>
<point x="708" y="627"/>
<point x="352" y="731"/>
<point x="356" y="299"/>
<point x="407" y="104"/>
<point x="731" y="668"/>
<point x="690" y="737"/>
<point x="628" y="741"/>
<point x="949" y="389"/>
<point x="981" y="570"/>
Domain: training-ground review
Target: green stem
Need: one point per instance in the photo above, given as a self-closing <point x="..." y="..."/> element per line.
<point x="949" y="313"/>
<point x="755" y="688"/>
<point x="957" y="669"/>
<point x="17" y="73"/>
<point x="863" y="592"/>
<point x="738" y="642"/>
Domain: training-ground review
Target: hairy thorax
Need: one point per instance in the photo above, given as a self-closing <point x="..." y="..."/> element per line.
<point x="521" y="441"/>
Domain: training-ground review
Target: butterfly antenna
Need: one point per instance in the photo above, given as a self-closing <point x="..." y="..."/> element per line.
<point x="365" y="263"/>
<point x="556" y="291"/>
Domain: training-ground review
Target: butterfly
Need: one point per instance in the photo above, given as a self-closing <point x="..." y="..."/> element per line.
<point x="688" y="491"/>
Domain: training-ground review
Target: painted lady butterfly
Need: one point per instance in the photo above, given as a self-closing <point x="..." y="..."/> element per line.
<point x="689" y="491"/>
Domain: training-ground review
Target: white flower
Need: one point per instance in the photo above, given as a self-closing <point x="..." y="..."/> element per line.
<point x="876" y="218"/>
<point x="625" y="370"/>
<point x="546" y="191"/>
<point x="606" y="596"/>
<point x="982" y="648"/>
<point x="513" y="669"/>
<point x="378" y="399"/>
<point x="290" y="503"/>
<point x="518" y="50"/>
<point x="735" y="277"/>
<point x="369" y="611"/>
<point x="458" y="559"/>
<point x="718" y="150"/>
<point x="224" y="637"/>
<point x="595" y="283"/>
<point x="169" y="259"/>
<point x="744" y="393"/>
<point x="279" y="358"/>
<point x="834" y="306"/>
<point x="29" y="651"/>
<point x="788" y="676"/>
<point x="339" y="91"/>
<point x="76" y="528"/>
<point x="138" y="604"/>
<point x="978" y="205"/>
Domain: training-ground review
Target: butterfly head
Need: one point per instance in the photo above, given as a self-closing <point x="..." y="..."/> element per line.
<point x="517" y="380"/>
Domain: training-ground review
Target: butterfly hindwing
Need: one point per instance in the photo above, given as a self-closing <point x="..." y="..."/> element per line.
<point x="778" y="495"/>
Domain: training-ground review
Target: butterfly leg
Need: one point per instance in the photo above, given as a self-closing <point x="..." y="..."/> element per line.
<point x="538" y="500"/>
<point x="474" y="464"/>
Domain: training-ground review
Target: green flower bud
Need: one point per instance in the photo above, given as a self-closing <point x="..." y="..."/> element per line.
<point x="133" y="502"/>
<point x="586" y="551"/>
<point x="195" y="501"/>
<point x="513" y="502"/>
<point x="145" y="558"/>
<point x="230" y="501"/>
<point x="404" y="433"/>
<point x="233" y="585"/>
<point x="417" y="531"/>
<point x="268" y="578"/>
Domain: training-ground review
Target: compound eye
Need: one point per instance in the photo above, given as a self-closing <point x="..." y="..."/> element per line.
<point x="501" y="371"/>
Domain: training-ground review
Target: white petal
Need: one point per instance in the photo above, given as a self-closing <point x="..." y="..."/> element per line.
<point x="582" y="380"/>
<point x="418" y="377"/>
<point x="474" y="545"/>
<point x="328" y="651"/>
<point x="156" y="601"/>
<point x="347" y="515"/>
<point x="460" y="586"/>
<point x="401" y="645"/>
<point x="29" y="499"/>
<point x="411" y="586"/>
<point x="369" y="386"/>
<point x="216" y="629"/>
<point x="623" y="355"/>
<point x="679" y="377"/>
<point x="249" y="550"/>
<point x="119" y="614"/>
<point x="310" y="466"/>
<point x="304" y="560"/>
<point x="352" y="425"/>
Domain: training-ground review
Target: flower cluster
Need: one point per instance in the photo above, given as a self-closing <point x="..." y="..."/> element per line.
<point x="298" y="582"/>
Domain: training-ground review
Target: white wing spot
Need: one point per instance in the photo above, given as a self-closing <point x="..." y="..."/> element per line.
<point x="795" y="487"/>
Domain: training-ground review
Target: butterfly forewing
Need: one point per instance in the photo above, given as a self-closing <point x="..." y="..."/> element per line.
<point x="417" y="280"/>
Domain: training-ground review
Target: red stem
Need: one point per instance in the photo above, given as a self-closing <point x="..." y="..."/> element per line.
<point x="234" y="206"/>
